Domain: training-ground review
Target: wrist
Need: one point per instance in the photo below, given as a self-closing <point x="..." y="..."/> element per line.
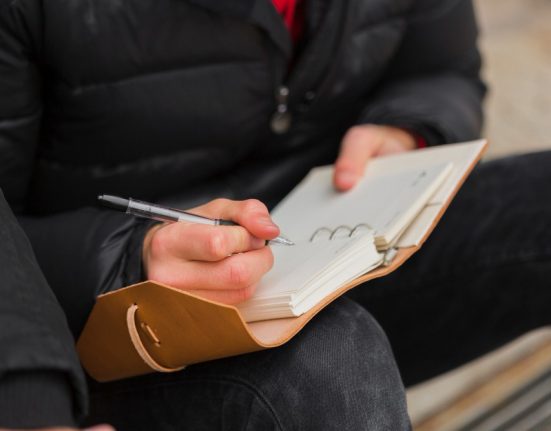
<point x="146" y="248"/>
<point x="404" y="137"/>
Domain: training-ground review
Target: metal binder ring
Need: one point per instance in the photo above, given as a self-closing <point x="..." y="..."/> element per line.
<point x="340" y="229"/>
<point x="318" y="231"/>
<point x="359" y="226"/>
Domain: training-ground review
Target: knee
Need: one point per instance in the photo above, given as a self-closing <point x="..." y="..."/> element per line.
<point x="343" y="336"/>
<point x="337" y="373"/>
<point x="347" y="350"/>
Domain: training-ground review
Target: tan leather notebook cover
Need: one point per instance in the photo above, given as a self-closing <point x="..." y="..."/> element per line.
<point x="149" y="327"/>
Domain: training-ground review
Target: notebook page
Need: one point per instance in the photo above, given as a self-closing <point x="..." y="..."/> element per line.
<point x="294" y="266"/>
<point x="382" y="200"/>
<point x="316" y="289"/>
<point x="307" y="272"/>
<point x="463" y="156"/>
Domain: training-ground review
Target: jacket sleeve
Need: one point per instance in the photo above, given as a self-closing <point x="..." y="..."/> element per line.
<point x="83" y="252"/>
<point x="20" y="105"/>
<point x="433" y="86"/>
<point x="41" y="382"/>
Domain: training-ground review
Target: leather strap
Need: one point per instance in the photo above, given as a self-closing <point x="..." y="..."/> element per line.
<point x="138" y="345"/>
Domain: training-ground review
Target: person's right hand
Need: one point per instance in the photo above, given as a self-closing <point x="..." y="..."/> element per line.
<point x="221" y="263"/>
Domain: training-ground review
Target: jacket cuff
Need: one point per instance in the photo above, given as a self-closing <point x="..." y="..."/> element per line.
<point x="36" y="399"/>
<point x="424" y="134"/>
<point x="420" y="141"/>
<point x="133" y="269"/>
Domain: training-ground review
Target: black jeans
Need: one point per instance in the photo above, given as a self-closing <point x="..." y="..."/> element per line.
<point x="338" y="373"/>
<point x="480" y="280"/>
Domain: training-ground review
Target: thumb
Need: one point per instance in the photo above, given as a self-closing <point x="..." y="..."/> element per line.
<point x="103" y="427"/>
<point x="357" y="147"/>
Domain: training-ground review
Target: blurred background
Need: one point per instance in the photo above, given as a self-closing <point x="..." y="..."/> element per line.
<point x="516" y="44"/>
<point x="510" y="389"/>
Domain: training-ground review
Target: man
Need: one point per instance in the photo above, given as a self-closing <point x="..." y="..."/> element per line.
<point x="184" y="101"/>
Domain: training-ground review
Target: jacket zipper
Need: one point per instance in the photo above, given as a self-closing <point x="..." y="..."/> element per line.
<point x="281" y="118"/>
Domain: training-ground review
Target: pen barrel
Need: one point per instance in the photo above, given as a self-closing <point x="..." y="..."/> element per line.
<point x="157" y="212"/>
<point x="151" y="211"/>
<point x="221" y="222"/>
<point x="164" y="214"/>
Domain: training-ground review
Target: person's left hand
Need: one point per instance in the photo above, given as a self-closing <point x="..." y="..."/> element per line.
<point x="360" y="144"/>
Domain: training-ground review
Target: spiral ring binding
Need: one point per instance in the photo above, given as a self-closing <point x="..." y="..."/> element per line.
<point x="340" y="229"/>
<point x="318" y="231"/>
<point x="333" y="232"/>
<point x="359" y="226"/>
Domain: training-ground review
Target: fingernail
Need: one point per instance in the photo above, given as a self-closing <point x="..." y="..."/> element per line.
<point x="266" y="221"/>
<point x="347" y="178"/>
<point x="100" y="428"/>
<point x="257" y="243"/>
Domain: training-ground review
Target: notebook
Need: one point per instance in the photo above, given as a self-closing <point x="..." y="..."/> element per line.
<point x="342" y="241"/>
<point x="338" y="236"/>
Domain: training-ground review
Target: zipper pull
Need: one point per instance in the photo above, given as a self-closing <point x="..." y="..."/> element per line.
<point x="281" y="119"/>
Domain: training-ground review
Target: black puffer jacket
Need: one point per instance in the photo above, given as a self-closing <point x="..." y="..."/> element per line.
<point x="174" y="100"/>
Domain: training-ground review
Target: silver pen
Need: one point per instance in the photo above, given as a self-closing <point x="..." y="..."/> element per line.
<point x="160" y="213"/>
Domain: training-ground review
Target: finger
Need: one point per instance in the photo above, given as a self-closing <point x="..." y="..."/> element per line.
<point x="203" y="242"/>
<point x="251" y="214"/>
<point x="358" y="146"/>
<point x="100" y="428"/>
<point x="397" y="140"/>
<point x="236" y="272"/>
<point x="255" y="217"/>
<point x="229" y="297"/>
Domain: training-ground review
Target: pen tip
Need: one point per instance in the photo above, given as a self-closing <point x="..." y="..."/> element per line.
<point x="282" y="240"/>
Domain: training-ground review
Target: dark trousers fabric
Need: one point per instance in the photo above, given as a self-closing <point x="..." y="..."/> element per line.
<point x="481" y="280"/>
<point x="338" y="373"/>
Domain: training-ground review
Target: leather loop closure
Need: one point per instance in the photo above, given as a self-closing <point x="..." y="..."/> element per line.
<point x="138" y="345"/>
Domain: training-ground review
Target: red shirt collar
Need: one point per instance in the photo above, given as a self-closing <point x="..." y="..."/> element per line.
<point x="291" y="12"/>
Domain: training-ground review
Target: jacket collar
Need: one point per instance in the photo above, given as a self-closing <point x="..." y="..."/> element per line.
<point x="259" y="12"/>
